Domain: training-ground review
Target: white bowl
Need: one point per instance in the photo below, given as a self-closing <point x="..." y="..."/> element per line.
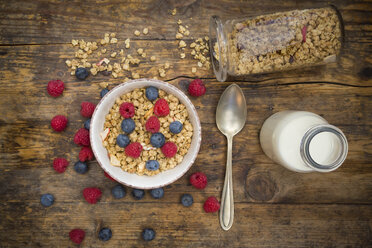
<point x="133" y="180"/>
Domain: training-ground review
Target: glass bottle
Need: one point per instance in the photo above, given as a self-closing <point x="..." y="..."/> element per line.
<point x="303" y="142"/>
<point x="275" y="42"/>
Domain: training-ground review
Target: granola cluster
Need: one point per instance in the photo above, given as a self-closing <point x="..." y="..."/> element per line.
<point x="283" y="40"/>
<point x="143" y="110"/>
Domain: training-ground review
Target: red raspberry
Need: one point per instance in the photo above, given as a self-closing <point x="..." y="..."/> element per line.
<point x="198" y="180"/>
<point x="127" y="110"/>
<point x="92" y="195"/>
<point x="303" y="31"/>
<point x="60" y="165"/>
<point x="161" y="108"/>
<point x="81" y="137"/>
<point x="153" y="124"/>
<point x="85" y="154"/>
<point x="77" y="235"/>
<point x="197" y="88"/>
<point x="169" y="149"/>
<point x="55" y="87"/>
<point x="87" y="109"/>
<point x="211" y="205"/>
<point x="109" y="177"/>
<point x="133" y="150"/>
<point x="59" y="123"/>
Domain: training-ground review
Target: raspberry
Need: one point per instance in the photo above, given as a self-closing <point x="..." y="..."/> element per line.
<point x="161" y="108"/>
<point x="169" y="149"/>
<point x="152" y="124"/>
<point x="55" y="87"/>
<point x="197" y="88"/>
<point x="133" y="150"/>
<point x="60" y="165"/>
<point x="303" y="32"/>
<point x="85" y="154"/>
<point x="87" y="109"/>
<point x="127" y="109"/>
<point x="92" y="195"/>
<point x="198" y="180"/>
<point x="211" y="205"/>
<point x="109" y="177"/>
<point x="81" y="137"/>
<point x="59" y="123"/>
<point x="77" y="235"/>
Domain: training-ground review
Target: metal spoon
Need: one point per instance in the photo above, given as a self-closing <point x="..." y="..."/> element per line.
<point x="230" y="118"/>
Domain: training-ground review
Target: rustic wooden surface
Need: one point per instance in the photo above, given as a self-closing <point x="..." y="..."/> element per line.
<point x="274" y="207"/>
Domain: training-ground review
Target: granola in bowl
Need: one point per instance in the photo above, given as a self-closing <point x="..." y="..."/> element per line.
<point x="143" y="110"/>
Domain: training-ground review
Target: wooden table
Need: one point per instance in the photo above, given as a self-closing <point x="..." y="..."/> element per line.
<point x="274" y="207"/>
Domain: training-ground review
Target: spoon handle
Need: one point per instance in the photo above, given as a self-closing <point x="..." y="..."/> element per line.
<point x="227" y="202"/>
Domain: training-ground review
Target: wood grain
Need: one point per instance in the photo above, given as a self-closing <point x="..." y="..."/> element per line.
<point x="274" y="207"/>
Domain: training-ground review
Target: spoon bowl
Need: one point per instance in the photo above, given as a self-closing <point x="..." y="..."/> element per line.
<point x="231" y="114"/>
<point x="231" y="111"/>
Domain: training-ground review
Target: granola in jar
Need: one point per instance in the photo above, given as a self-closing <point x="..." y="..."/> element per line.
<point x="277" y="41"/>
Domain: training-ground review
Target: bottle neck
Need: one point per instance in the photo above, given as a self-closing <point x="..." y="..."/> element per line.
<point x="326" y="139"/>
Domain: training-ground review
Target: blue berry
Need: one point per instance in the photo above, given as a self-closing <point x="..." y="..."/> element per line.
<point x="105" y="234"/>
<point x="157" y="193"/>
<point x="47" y="200"/>
<point x="118" y="191"/>
<point x="81" y="167"/>
<point x="157" y="140"/>
<point x="152" y="165"/>
<point x="81" y="73"/>
<point x="128" y="125"/>
<point x="103" y="92"/>
<point x="148" y="234"/>
<point x="122" y="140"/>
<point x="175" y="127"/>
<point x="187" y="200"/>
<point x="152" y="93"/>
<point x="138" y="194"/>
<point x="87" y="124"/>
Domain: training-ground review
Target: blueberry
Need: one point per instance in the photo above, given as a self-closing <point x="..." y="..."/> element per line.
<point x="103" y="92"/>
<point x="175" y="127"/>
<point x="138" y="194"/>
<point x="105" y="234"/>
<point x="148" y="234"/>
<point x="128" y="125"/>
<point x="118" y="191"/>
<point x="47" y="200"/>
<point x="81" y="167"/>
<point x="157" y="140"/>
<point x="122" y="140"/>
<point x="152" y="93"/>
<point x="152" y="165"/>
<point x="187" y="200"/>
<point x="87" y="124"/>
<point x="81" y="73"/>
<point x="157" y="193"/>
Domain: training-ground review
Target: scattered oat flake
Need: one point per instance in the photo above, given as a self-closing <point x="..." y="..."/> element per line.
<point x="103" y="85"/>
<point x="174" y="11"/>
<point x="193" y="70"/>
<point x="152" y="58"/>
<point x="145" y="31"/>
<point x="137" y="33"/>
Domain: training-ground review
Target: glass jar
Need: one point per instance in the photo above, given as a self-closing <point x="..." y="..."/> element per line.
<point x="275" y="42"/>
<point x="303" y="142"/>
